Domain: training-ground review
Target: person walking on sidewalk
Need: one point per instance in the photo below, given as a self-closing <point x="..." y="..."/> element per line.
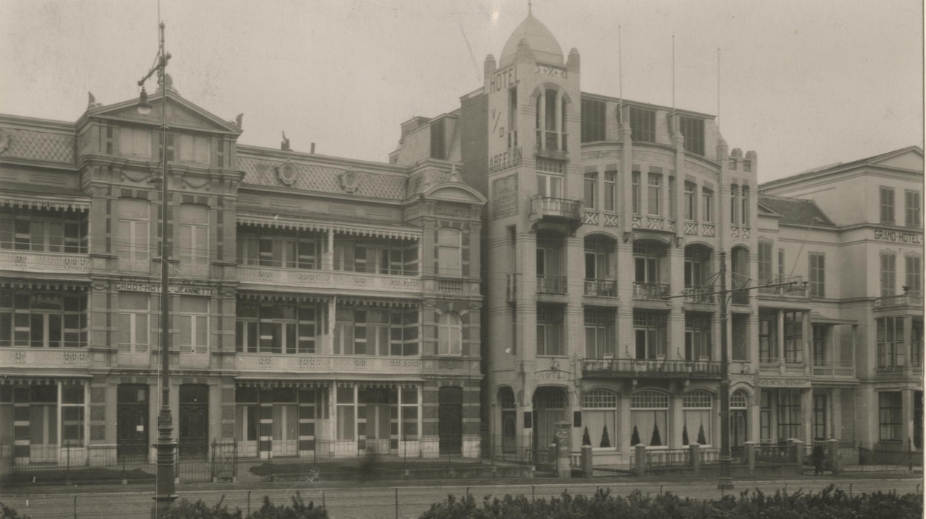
<point x="817" y="456"/>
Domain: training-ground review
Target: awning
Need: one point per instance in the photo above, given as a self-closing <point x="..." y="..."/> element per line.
<point x="305" y="224"/>
<point x="43" y="202"/>
<point x="43" y="379"/>
<point x="284" y="296"/>
<point x="821" y="319"/>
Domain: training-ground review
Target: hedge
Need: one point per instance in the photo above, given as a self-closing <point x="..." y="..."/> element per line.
<point x="827" y="504"/>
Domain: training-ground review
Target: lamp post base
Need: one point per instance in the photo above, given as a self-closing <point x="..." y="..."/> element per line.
<point x="725" y="482"/>
<point x="162" y="504"/>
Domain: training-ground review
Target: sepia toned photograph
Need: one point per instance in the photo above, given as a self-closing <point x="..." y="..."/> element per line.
<point x="448" y="259"/>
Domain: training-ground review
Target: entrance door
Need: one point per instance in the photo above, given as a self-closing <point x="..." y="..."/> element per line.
<point x="737" y="429"/>
<point x="549" y="408"/>
<point x="43" y="433"/>
<point x="450" y="419"/>
<point x="132" y="420"/>
<point x="194" y="420"/>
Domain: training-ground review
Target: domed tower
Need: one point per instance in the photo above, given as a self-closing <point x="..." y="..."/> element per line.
<point x="534" y="177"/>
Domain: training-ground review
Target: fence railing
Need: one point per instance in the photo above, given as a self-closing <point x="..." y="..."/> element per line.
<point x="545" y="206"/>
<point x="601" y="287"/>
<point x="551" y="285"/>
<point x="650" y="291"/>
<point x="699" y="294"/>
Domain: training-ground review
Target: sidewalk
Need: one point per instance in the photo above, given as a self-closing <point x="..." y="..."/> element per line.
<point x="742" y="483"/>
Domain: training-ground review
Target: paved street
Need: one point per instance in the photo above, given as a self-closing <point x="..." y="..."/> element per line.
<point x="380" y="502"/>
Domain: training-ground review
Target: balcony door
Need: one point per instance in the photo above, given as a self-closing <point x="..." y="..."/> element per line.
<point x="549" y="408"/>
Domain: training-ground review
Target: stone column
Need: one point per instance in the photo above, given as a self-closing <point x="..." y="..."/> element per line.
<point x="543" y="119"/>
<point x="559" y="120"/>
<point x="797" y="446"/>
<point x="694" y="451"/>
<point x="588" y="464"/>
<point x="639" y="466"/>
<point x="329" y="254"/>
<point x="832" y="451"/>
<point x="807" y="415"/>
<point x="807" y="341"/>
<point x="676" y="421"/>
<point x="751" y="456"/>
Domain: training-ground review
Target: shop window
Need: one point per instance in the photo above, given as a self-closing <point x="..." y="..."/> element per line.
<point x="697" y="407"/>
<point x="649" y="412"/>
<point x="599" y="412"/>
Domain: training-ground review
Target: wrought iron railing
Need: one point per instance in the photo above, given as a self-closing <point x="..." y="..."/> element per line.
<point x="601" y="287"/>
<point x="546" y="206"/>
<point x="650" y="291"/>
<point x="551" y="285"/>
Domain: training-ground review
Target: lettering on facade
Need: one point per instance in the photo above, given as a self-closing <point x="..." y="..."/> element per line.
<point x="173" y="289"/>
<point x="783" y="382"/>
<point x="503" y="80"/>
<point x="505" y="196"/>
<point x="552" y="374"/>
<point x="899" y="236"/>
<point x="458" y="212"/>
<point x="505" y="160"/>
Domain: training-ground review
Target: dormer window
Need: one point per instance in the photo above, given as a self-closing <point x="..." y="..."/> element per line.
<point x="693" y="130"/>
<point x="438" y="140"/>
<point x="642" y="125"/>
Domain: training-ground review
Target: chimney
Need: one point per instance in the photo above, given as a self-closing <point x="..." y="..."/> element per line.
<point x="312" y="149"/>
<point x="284" y="144"/>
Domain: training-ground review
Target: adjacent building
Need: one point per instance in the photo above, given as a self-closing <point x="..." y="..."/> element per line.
<point x="317" y="303"/>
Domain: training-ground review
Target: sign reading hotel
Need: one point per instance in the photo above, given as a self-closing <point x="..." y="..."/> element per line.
<point x="899" y="236"/>
<point x="784" y="382"/>
<point x="173" y="289"/>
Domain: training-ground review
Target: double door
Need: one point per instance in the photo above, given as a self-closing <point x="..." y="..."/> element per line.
<point x="194" y="420"/>
<point x="132" y="420"/>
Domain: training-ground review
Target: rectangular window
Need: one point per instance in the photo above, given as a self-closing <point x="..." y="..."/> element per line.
<point x="346" y="413"/>
<point x="195" y="148"/>
<point x="707" y="205"/>
<point x="913" y="205"/>
<point x="794" y="337"/>
<point x="673" y="204"/>
<point x="132" y="234"/>
<point x="610" y="190"/>
<point x="550" y="330"/>
<point x="789" y="414"/>
<point x="649" y="330"/>
<point x="817" y="274"/>
<point x="887" y="205"/>
<point x="819" y="344"/>
<point x="765" y="416"/>
<point x="642" y="125"/>
<point x="916" y="344"/>
<point x="438" y="140"/>
<point x="691" y="209"/>
<point x="591" y="190"/>
<point x="134" y="142"/>
<point x="768" y="338"/>
<point x="697" y="337"/>
<point x="744" y="210"/>
<point x="635" y="192"/>
<point x="550" y="186"/>
<point x="888" y="275"/>
<point x="193" y="317"/>
<point x="133" y="322"/>
<point x="890" y="340"/>
<point x="599" y="333"/>
<point x="914" y="273"/>
<point x="781" y="265"/>
<point x="890" y="416"/>
<point x="693" y="130"/>
<point x="593" y="120"/>
<point x="42" y="320"/>
<point x="369" y="331"/>
<point x="194" y="239"/>
<point x="765" y="261"/>
<point x="734" y="204"/>
<point x="654" y="193"/>
<point x="72" y="415"/>
<point x="450" y="252"/>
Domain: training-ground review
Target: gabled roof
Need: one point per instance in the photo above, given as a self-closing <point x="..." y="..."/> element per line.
<point x="874" y="160"/>
<point x="794" y="211"/>
<point x="181" y="113"/>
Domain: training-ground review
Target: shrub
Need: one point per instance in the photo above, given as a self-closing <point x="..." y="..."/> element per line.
<point x="827" y="504"/>
<point x="199" y="510"/>
<point x="9" y="513"/>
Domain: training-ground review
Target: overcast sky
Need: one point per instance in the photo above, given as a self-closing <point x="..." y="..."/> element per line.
<point x="804" y="83"/>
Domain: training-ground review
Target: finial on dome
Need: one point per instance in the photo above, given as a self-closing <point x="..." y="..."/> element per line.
<point x="529" y="10"/>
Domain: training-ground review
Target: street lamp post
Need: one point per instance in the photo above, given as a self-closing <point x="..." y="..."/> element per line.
<point x="164" y="490"/>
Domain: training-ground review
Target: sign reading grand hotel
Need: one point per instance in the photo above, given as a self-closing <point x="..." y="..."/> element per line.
<point x="899" y="236"/>
<point x="173" y="289"/>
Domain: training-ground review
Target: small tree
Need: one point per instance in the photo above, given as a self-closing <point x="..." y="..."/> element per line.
<point x="586" y="439"/>
<point x="656" y="440"/>
<point x="635" y="437"/>
<point x="605" y="440"/>
<point x="685" y="434"/>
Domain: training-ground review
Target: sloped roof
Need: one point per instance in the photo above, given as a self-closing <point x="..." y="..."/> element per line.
<point x="39" y="145"/>
<point x="795" y="211"/>
<point x="872" y="160"/>
<point x="542" y="42"/>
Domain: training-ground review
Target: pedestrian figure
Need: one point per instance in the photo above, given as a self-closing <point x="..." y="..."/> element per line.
<point x="817" y="457"/>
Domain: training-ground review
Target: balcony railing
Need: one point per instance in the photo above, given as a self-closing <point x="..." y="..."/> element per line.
<point x="328" y="279"/>
<point x="650" y="291"/>
<point x="740" y="298"/>
<point x="796" y="291"/>
<point x="770" y="365"/>
<point x="549" y="140"/>
<point x="327" y="363"/>
<point x="601" y="287"/>
<point x="911" y="298"/>
<point x="44" y="358"/>
<point x="551" y="285"/>
<point x="834" y="369"/>
<point x="699" y="294"/>
<point x="555" y="208"/>
<point x="56" y="262"/>
<point x="654" y="368"/>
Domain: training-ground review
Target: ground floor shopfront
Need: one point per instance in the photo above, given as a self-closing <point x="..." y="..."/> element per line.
<point x="99" y="421"/>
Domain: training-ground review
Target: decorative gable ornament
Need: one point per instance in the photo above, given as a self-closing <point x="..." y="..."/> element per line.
<point x="349" y="180"/>
<point x="286" y="172"/>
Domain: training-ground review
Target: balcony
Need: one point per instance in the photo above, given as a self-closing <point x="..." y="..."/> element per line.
<point x="740" y="298"/>
<point x="44" y="358"/>
<point x="909" y="299"/>
<point x="333" y="279"/>
<point x="601" y="287"/>
<point x="547" y="145"/>
<point x="650" y="291"/>
<point x="551" y="285"/>
<point x="651" y="368"/>
<point x="787" y="367"/>
<point x="840" y="369"/>
<point x="799" y="290"/>
<point x="701" y="295"/>
<point x="327" y="364"/>
<point x="45" y="262"/>
<point x="557" y="209"/>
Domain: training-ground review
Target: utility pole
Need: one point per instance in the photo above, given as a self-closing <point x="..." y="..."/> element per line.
<point x="725" y="482"/>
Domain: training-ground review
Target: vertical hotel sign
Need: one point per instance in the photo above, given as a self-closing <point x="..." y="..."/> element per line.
<point x="504" y="152"/>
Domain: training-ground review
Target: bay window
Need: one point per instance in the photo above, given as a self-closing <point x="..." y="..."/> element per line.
<point x="277" y="327"/>
<point x="374" y="331"/>
<point x="42" y="320"/>
<point x="43" y="231"/>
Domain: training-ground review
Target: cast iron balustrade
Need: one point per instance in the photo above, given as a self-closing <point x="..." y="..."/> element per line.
<point x="550" y="146"/>
<point x="834" y="368"/>
<point x="699" y="294"/>
<point x="328" y="279"/>
<point x="44" y="358"/>
<point x="326" y="363"/>
<point x="45" y="262"/>
<point x="601" y="287"/>
<point x="651" y="368"/>
<point x="912" y="298"/>
<point x="796" y="291"/>
<point x="650" y="291"/>
<point x="551" y="285"/>
<point x="555" y="208"/>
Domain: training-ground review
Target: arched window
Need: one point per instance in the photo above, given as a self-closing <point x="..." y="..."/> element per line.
<point x="697" y="407"/>
<point x="450" y="334"/>
<point x="738" y="399"/>
<point x="506" y="398"/>
<point x="599" y="409"/>
<point x="649" y="412"/>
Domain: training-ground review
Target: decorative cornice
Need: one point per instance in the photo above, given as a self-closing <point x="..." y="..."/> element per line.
<point x="35" y="202"/>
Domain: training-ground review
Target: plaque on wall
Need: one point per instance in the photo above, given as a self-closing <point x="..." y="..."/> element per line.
<point x="505" y="196"/>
